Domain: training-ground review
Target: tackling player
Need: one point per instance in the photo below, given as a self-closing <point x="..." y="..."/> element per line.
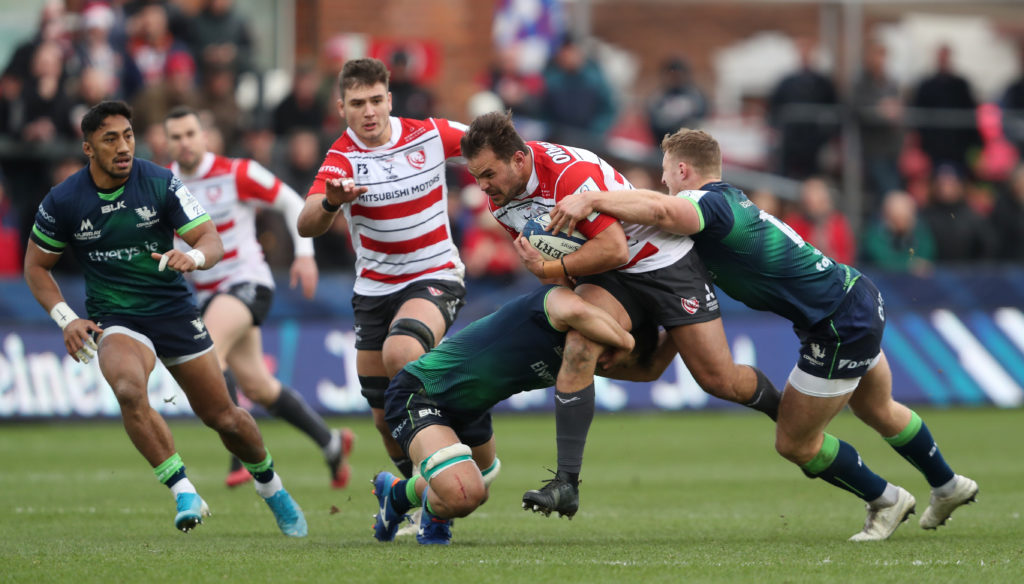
<point x="235" y="295"/>
<point x="438" y="407"/>
<point x="119" y="215"/>
<point x="637" y="273"/>
<point x="836" y="311"/>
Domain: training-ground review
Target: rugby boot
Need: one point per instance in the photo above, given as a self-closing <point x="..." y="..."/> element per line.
<point x="559" y="494"/>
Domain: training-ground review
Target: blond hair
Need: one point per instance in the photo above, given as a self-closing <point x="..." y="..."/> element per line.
<point x="696" y="148"/>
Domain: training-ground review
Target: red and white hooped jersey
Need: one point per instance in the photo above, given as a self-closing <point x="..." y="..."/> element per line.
<point x="230" y="189"/>
<point x="399" y="228"/>
<point x="559" y="171"/>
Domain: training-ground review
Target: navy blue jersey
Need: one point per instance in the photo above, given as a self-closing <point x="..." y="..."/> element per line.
<point x="112" y="235"/>
<point x="512" y="350"/>
<point x="760" y="261"/>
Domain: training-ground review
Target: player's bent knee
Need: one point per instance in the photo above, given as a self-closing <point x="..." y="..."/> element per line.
<point x="443" y="459"/>
<point x="415" y="329"/>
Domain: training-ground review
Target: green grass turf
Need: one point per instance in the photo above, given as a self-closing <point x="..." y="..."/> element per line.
<point x="665" y="498"/>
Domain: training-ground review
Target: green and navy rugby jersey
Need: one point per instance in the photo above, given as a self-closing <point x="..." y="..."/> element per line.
<point x="112" y="235"/>
<point x="512" y="350"/>
<point x="760" y="261"/>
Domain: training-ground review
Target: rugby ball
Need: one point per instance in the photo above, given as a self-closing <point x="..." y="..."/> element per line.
<point x="551" y="245"/>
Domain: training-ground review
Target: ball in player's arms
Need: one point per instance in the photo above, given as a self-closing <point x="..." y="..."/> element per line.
<point x="551" y="245"/>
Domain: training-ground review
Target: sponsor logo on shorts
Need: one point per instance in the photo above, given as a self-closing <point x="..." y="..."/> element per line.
<point x="710" y="299"/>
<point x="690" y="305"/>
<point x="358" y="330"/>
<point x="848" y="364"/>
<point x="398" y="431"/>
<point x="423" y="413"/>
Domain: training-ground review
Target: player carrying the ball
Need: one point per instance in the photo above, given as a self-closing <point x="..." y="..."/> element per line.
<point x="637" y="273"/>
<point x="836" y="311"/>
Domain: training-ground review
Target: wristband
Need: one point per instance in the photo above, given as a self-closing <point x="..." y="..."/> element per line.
<point x="197" y="256"/>
<point x="62" y="314"/>
<point x="328" y="206"/>
<point x="565" y="270"/>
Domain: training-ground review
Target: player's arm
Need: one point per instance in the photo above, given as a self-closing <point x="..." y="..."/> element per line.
<point x="206" y="249"/>
<point x="567" y="310"/>
<point x="672" y="214"/>
<point x="38" y="276"/>
<point x="303" y="271"/>
<point x="604" y="251"/>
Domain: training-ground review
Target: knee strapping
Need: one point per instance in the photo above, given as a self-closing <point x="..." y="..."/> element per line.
<point x="444" y="458"/>
<point x="490" y="473"/>
<point x="415" y="329"/>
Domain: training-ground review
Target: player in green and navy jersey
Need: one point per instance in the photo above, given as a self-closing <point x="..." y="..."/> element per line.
<point x="836" y="312"/>
<point x="118" y="216"/>
<point x="438" y="407"/>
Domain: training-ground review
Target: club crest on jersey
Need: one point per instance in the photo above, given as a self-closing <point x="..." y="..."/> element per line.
<point x="690" y="305"/>
<point x="417" y="159"/>
<point x="147" y="214"/>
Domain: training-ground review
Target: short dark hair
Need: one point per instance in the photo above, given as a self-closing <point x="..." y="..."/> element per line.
<point x="496" y="131"/>
<point x="94" y="118"/>
<point x="181" y="111"/>
<point x="363" y="72"/>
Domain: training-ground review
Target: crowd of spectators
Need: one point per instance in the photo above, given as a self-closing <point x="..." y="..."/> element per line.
<point x="940" y="179"/>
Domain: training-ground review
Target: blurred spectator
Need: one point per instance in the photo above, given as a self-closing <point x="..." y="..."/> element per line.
<point x="960" y="233"/>
<point x="577" y="105"/>
<point x="767" y="201"/>
<point x="10" y="236"/>
<point x="257" y="143"/>
<point x="94" y="85"/>
<point x="301" y="161"/>
<point x="1012" y="103"/>
<point x="51" y="28"/>
<point x="946" y="135"/>
<point x="801" y="111"/>
<point x="896" y="241"/>
<point x="819" y="222"/>
<point x="879" y="111"/>
<point x="151" y="44"/>
<point x="47" y="114"/>
<point x="997" y="157"/>
<point x="219" y="36"/>
<point x="94" y="49"/>
<point x="519" y="91"/>
<point x="217" y="95"/>
<point x="304" y="107"/>
<point x="408" y="98"/>
<point x="1008" y="219"/>
<point x="677" y="103"/>
<point x="176" y="87"/>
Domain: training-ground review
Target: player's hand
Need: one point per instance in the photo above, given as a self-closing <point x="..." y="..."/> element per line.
<point x="343" y="190"/>
<point x="570" y="211"/>
<point x="304" y="272"/>
<point x="78" y="340"/>
<point x="175" y="260"/>
<point x="530" y="257"/>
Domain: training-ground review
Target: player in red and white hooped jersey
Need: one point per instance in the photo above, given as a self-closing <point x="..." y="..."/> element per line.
<point x="236" y="294"/>
<point x="388" y="176"/>
<point x="638" y="275"/>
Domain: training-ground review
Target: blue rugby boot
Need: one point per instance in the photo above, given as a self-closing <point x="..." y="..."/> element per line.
<point x="191" y="510"/>
<point x="288" y="514"/>
<point x="433" y="530"/>
<point x="387" y="520"/>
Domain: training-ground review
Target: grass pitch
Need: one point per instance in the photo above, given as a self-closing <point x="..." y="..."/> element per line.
<point x="665" y="498"/>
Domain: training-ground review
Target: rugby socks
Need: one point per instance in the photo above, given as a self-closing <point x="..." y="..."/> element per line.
<point x="171" y="472"/>
<point x="403" y="495"/>
<point x="573" y="414"/>
<point x="839" y="464"/>
<point x="267" y="481"/>
<point x="229" y="381"/>
<point x="766" y="397"/>
<point x="404" y="465"/>
<point x="915" y="443"/>
<point x="291" y="408"/>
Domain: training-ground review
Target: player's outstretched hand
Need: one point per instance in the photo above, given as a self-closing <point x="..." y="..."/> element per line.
<point x="177" y="261"/>
<point x="304" y="272"/>
<point x="343" y="190"/>
<point x="78" y="339"/>
<point x="570" y="211"/>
